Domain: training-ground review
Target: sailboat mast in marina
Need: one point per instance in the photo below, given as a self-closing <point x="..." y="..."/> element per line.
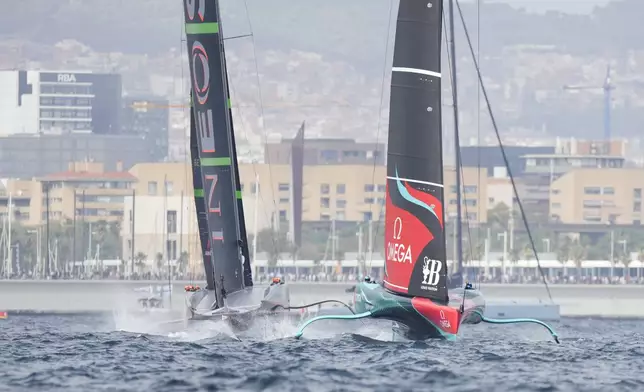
<point x="216" y="179"/>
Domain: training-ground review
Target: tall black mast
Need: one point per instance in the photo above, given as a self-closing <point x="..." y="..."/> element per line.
<point x="216" y="159"/>
<point x="457" y="145"/>
<point x="415" y="262"/>
<point x="200" y="206"/>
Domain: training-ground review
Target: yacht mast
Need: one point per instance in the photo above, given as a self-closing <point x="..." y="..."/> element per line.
<point x="457" y="146"/>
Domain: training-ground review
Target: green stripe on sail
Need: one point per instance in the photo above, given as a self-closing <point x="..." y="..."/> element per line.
<point x="202" y="28"/>
<point x="238" y="194"/>
<point x="229" y="104"/>
<point x="223" y="161"/>
<point x="198" y="192"/>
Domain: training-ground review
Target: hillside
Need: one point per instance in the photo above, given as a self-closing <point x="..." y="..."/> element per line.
<point x="338" y="28"/>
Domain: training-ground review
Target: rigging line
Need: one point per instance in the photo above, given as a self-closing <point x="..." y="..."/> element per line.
<point x="505" y="157"/>
<point x="237" y="37"/>
<point x="261" y="106"/>
<point x="186" y="143"/>
<point x="467" y="214"/>
<point x="286" y="106"/>
<point x="233" y="93"/>
<point x="458" y="170"/>
<point x="478" y="126"/>
<point x="382" y="98"/>
<point x="478" y="133"/>
<point x="460" y="161"/>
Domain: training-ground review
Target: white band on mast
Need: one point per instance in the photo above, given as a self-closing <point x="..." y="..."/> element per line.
<point x="416" y="71"/>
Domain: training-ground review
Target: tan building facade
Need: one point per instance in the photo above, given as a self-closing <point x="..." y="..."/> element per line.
<point x="166" y="223"/>
<point x="25" y="199"/>
<point x="162" y="178"/>
<point x="166" y="226"/>
<point x="84" y="191"/>
<point x="598" y="196"/>
<point x="87" y="192"/>
<point x="499" y="191"/>
<point x="340" y="192"/>
<point x="347" y="192"/>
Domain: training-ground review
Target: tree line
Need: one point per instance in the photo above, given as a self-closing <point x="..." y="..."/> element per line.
<point x="317" y="240"/>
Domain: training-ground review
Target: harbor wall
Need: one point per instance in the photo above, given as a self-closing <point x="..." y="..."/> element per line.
<point x="88" y="296"/>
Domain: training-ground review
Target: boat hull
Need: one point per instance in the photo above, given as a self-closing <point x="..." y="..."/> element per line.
<point x="243" y="307"/>
<point x="420" y="318"/>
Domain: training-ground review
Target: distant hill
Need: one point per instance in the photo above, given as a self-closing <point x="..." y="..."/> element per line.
<point x="354" y="29"/>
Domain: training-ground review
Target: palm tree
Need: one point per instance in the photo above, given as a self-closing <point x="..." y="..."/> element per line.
<point x="514" y="255"/>
<point x="499" y="216"/>
<point x="183" y="261"/>
<point x="563" y="253"/>
<point x="640" y="258"/>
<point x="577" y="252"/>
<point x="474" y="252"/>
<point x="158" y="261"/>
<point x="123" y="268"/>
<point x="140" y="258"/>
<point x="626" y="259"/>
<point x="528" y="254"/>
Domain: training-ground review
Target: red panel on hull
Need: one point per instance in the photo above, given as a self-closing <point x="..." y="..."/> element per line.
<point x="446" y="318"/>
<point x="405" y="238"/>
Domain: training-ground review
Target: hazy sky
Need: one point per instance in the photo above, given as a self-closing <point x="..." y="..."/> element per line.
<point x="572" y="6"/>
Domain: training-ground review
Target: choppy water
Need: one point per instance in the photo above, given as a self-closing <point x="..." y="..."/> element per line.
<point x="82" y="353"/>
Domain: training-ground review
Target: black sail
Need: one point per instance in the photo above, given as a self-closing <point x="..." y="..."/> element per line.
<point x="215" y="144"/>
<point x="297" y="185"/>
<point x="202" y="218"/>
<point x="248" y="272"/>
<point x="416" y="262"/>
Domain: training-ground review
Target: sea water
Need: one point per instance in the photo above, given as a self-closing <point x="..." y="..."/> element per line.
<point x="81" y="353"/>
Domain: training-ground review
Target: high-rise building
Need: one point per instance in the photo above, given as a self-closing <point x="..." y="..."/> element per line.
<point x="149" y="118"/>
<point x="328" y="152"/>
<point x="59" y="102"/>
<point x="27" y="155"/>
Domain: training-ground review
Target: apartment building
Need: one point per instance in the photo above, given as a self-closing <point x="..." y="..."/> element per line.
<point x="160" y="225"/>
<point x="570" y="154"/>
<point x="165" y="222"/>
<point x="499" y="191"/>
<point x="598" y="196"/>
<point x="23" y="199"/>
<point x="350" y="192"/>
<point x="87" y="192"/>
<point x="340" y="192"/>
<point x="162" y="207"/>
